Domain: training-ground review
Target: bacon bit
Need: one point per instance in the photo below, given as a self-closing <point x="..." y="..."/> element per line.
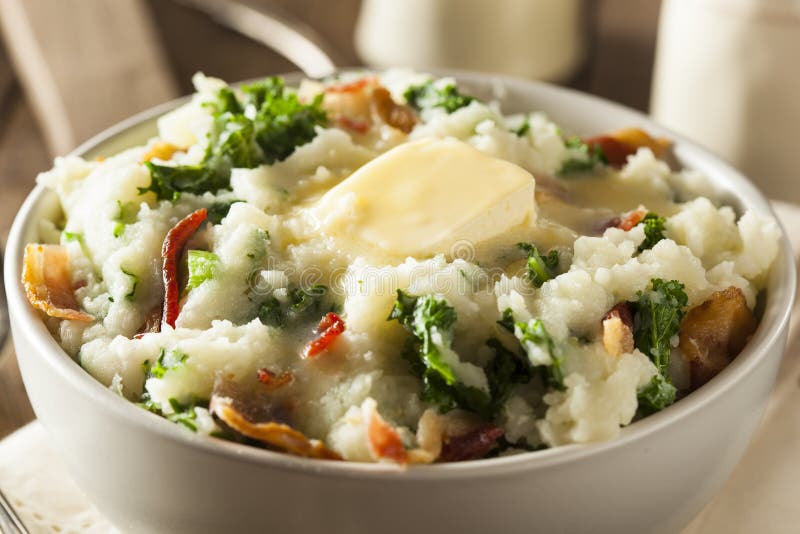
<point x="383" y="440"/>
<point x="329" y="328"/>
<point x="632" y="219"/>
<point x="171" y="251"/>
<point x="272" y="380"/>
<point x="430" y="430"/>
<point x="617" y="146"/>
<point x="713" y="333"/>
<point x="274" y="434"/>
<point x="395" y="115"/>
<point x="352" y="87"/>
<point x="161" y="150"/>
<point x="618" y="330"/>
<point x="48" y="284"/>
<point x="152" y="322"/>
<point x="358" y="126"/>
<point x="473" y="445"/>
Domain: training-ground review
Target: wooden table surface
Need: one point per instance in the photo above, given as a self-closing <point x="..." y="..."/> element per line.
<point x="619" y="68"/>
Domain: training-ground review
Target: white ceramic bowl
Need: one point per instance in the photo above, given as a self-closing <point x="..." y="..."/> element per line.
<point x="149" y="475"/>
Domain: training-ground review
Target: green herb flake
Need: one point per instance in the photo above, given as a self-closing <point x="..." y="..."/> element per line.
<point x="126" y="214"/>
<point x="303" y="304"/>
<point x="134" y="283"/>
<point x="523" y="128"/>
<point x="586" y="160"/>
<point x="653" y="230"/>
<point x="219" y="210"/>
<point x="203" y="266"/>
<point x="430" y="95"/>
<point x="167" y="360"/>
<point x="541" y="350"/>
<point x="540" y="268"/>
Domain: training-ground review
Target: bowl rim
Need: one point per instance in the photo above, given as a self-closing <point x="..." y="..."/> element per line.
<point x="28" y="323"/>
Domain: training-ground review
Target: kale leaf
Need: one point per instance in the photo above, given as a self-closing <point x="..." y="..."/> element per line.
<point x="504" y="371"/>
<point x="540" y="268"/>
<point x="301" y="305"/>
<point x="539" y="347"/>
<point x="653" y="230"/>
<point x="134" y="283"/>
<point x="587" y="160"/>
<point x="166" y="360"/>
<point x="523" y="128"/>
<point x="657" y="316"/>
<point x="430" y="320"/>
<point x="541" y="350"/>
<point x="203" y="266"/>
<point x="264" y="126"/>
<point x="430" y="95"/>
<point x="219" y="210"/>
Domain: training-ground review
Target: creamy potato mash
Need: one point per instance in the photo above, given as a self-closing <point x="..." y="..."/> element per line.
<point x="384" y="268"/>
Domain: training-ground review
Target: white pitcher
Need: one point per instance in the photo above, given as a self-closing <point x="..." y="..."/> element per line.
<point x="542" y="39"/>
<point x="727" y="75"/>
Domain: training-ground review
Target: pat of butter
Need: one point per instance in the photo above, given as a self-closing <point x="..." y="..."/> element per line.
<point x="427" y="197"/>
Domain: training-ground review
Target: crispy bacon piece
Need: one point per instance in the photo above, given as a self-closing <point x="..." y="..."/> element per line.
<point x="713" y="333"/>
<point x="171" y="251"/>
<point x="430" y="430"/>
<point x="625" y="222"/>
<point x="359" y="104"/>
<point x="631" y="219"/>
<point x="360" y="126"/>
<point x="384" y="441"/>
<point x="329" y="328"/>
<point x="618" y="330"/>
<point x="395" y="115"/>
<point x="473" y="445"/>
<point x="48" y="284"/>
<point x="152" y="322"/>
<point x="274" y="434"/>
<point x="352" y="87"/>
<point x="617" y="146"/>
<point x="273" y="380"/>
<point x="161" y="150"/>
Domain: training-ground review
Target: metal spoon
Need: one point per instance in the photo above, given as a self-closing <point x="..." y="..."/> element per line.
<point x="10" y="523"/>
<point x="277" y="30"/>
<point x="4" y="327"/>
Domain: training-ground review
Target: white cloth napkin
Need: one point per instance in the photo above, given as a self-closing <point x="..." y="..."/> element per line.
<point x="761" y="495"/>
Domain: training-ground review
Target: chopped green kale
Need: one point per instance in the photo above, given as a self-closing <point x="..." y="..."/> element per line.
<point x="430" y="320"/>
<point x="167" y="359"/>
<point x="203" y="266"/>
<point x="265" y="126"/>
<point x="657" y="316"/>
<point x="653" y="230"/>
<point x="134" y="283"/>
<point x="431" y="95"/>
<point x="182" y="414"/>
<point x="523" y="128"/>
<point x="219" y="210"/>
<point x="540" y="268"/>
<point x="504" y="371"/>
<point x="126" y="215"/>
<point x="541" y="350"/>
<point x="585" y="161"/>
<point x="302" y="304"/>
<point x="656" y="395"/>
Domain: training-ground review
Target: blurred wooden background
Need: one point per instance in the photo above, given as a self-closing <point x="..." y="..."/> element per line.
<point x="112" y="58"/>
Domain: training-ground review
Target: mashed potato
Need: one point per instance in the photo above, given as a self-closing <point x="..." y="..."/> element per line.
<point x="563" y="339"/>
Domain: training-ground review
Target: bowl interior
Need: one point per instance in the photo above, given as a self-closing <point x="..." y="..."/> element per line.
<point x="577" y="113"/>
